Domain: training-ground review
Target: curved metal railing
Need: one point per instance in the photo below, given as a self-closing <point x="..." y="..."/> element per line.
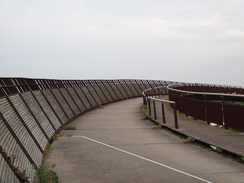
<point x="33" y="110"/>
<point x="211" y="103"/>
<point x="170" y="87"/>
<point x="150" y="95"/>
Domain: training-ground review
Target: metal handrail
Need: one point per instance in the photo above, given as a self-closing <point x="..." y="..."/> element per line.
<point x="156" y="99"/>
<point x="162" y="101"/>
<point x="227" y="114"/>
<point x="203" y="93"/>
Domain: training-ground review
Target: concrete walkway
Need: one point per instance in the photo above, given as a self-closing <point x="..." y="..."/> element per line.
<point x="114" y="145"/>
<point x="229" y="141"/>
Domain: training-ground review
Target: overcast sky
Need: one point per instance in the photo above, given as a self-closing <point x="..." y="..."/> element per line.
<point x="178" y="40"/>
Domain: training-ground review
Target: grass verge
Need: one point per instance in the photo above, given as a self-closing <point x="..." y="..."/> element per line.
<point x="69" y="127"/>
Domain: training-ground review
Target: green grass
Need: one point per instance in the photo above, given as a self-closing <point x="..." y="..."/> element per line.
<point x="217" y="149"/>
<point x="46" y="175"/>
<point x="230" y="102"/>
<point x="56" y="136"/>
<point x="144" y="110"/>
<point x="49" y="148"/>
<point x="235" y="102"/>
<point x="69" y="127"/>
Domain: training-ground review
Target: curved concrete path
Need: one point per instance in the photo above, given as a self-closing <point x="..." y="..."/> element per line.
<point x="114" y="145"/>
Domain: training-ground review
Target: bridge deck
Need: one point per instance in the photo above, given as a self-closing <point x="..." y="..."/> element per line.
<point x="113" y="144"/>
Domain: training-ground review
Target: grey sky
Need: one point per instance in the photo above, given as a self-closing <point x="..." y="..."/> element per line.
<point x="179" y="40"/>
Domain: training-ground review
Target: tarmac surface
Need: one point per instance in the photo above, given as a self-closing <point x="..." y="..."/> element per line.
<point x="113" y="144"/>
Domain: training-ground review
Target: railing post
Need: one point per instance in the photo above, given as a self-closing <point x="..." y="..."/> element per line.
<point x="163" y="114"/>
<point x="154" y="110"/>
<point x="175" y="114"/>
<point x="144" y="100"/>
<point x="98" y="84"/>
<point x="205" y="105"/>
<point x="149" y="107"/>
<point x="223" y="112"/>
<point x="122" y="85"/>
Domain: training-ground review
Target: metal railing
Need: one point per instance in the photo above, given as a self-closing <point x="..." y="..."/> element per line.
<point x="237" y="92"/>
<point x="211" y="103"/>
<point x="150" y="95"/>
<point x="11" y="86"/>
<point x="33" y="110"/>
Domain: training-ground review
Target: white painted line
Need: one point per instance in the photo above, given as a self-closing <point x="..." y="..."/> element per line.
<point x="146" y="159"/>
